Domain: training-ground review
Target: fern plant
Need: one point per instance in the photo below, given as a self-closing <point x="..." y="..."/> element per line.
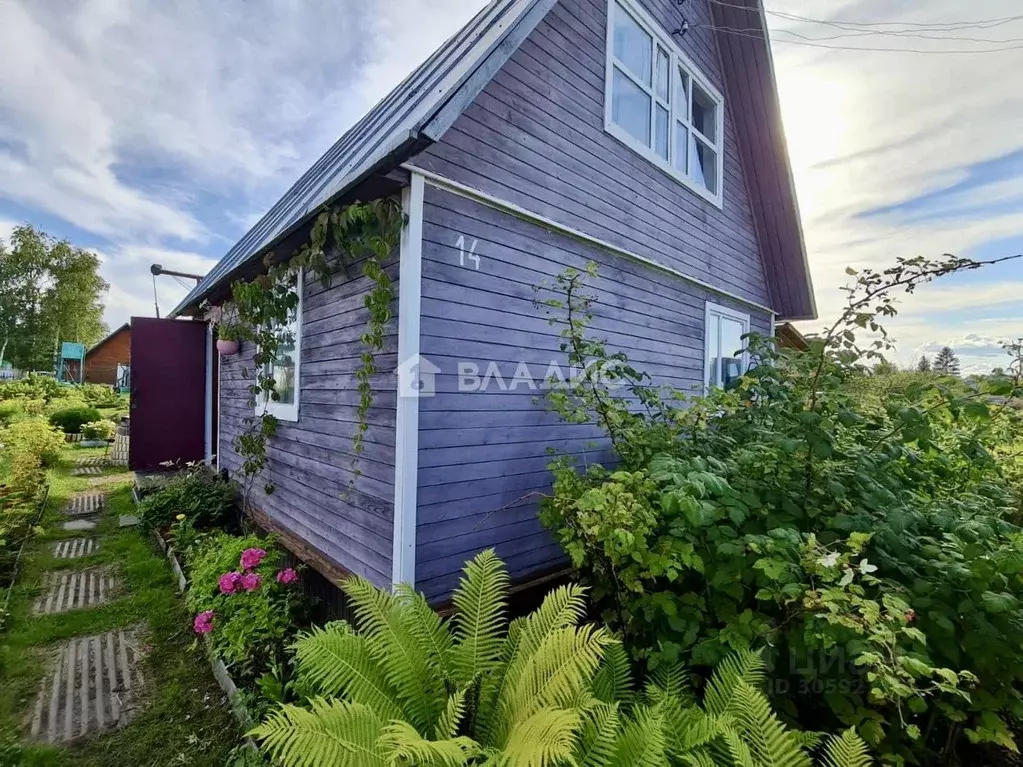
<point x="404" y="687"/>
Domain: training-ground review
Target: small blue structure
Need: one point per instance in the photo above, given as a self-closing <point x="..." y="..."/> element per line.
<point x="71" y="365"/>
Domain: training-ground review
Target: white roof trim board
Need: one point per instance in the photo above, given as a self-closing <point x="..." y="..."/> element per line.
<point x="414" y="114"/>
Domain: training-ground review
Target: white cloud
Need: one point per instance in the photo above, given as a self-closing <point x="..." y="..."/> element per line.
<point x="870" y="130"/>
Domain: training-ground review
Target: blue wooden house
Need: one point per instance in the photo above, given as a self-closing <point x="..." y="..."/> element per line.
<point x="644" y="135"/>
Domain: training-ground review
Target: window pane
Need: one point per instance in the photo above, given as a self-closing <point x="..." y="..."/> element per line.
<point x="703" y="166"/>
<point x="732" y="332"/>
<point x="632" y="45"/>
<point x="661" y="143"/>
<point x="284" y="364"/>
<point x="682" y="95"/>
<point x="284" y="370"/>
<point x="630" y="107"/>
<point x="681" y="146"/>
<point x="663" y="74"/>
<point x="704" y="113"/>
<point x="713" y="350"/>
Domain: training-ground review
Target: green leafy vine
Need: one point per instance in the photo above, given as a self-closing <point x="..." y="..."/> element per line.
<point x="261" y="308"/>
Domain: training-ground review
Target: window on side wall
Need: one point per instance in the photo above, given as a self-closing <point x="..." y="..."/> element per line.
<point x="285" y="368"/>
<point x="726" y="355"/>
<point x="659" y="104"/>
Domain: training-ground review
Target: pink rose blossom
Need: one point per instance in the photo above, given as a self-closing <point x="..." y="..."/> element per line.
<point x="251" y="581"/>
<point x="229" y="582"/>
<point x="203" y="622"/>
<point x="287" y="576"/>
<point x="251" y="558"/>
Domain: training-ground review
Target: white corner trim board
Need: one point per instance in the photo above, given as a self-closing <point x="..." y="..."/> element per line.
<point x="406" y="450"/>
<point x="463" y="190"/>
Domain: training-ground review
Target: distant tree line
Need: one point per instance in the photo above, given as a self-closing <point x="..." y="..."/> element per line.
<point x="50" y="291"/>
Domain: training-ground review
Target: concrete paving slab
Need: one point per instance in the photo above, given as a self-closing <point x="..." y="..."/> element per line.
<point x="93" y="684"/>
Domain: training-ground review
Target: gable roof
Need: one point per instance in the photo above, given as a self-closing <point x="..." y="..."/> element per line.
<point x="98" y="344"/>
<point x="421" y="109"/>
<point x="412" y="116"/>
<point x="748" y="66"/>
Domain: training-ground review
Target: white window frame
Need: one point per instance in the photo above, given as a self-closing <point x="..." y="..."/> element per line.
<point x="718" y="311"/>
<point x="287" y="411"/>
<point x="678" y="58"/>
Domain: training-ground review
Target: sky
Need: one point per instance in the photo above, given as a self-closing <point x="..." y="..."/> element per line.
<point x="158" y="132"/>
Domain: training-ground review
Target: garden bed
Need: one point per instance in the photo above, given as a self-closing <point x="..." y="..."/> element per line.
<point x="220" y="672"/>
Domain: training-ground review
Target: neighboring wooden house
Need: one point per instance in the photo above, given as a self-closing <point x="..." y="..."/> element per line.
<point x="105" y="359"/>
<point x="544" y="135"/>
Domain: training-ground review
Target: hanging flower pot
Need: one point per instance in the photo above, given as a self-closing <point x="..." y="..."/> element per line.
<point x="227" y="346"/>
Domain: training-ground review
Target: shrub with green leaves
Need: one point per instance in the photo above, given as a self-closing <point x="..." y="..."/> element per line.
<point x="197" y="492"/>
<point x="403" y="686"/>
<point x="71" y="420"/>
<point x="246" y="604"/>
<point x="99" y="430"/>
<point x="866" y="536"/>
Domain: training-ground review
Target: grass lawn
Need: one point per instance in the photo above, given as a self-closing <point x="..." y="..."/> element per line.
<point x="185" y="719"/>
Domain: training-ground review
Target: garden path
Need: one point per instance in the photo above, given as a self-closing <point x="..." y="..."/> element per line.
<point x="98" y="662"/>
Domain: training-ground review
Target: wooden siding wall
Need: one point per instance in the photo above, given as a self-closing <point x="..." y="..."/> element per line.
<point x="310" y="461"/>
<point x="483" y="455"/>
<point x="101" y="362"/>
<point x="536" y="137"/>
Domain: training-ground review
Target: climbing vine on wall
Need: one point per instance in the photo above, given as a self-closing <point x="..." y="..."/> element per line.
<point x="262" y="308"/>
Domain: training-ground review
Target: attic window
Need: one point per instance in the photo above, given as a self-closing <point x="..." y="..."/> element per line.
<point x="659" y="104"/>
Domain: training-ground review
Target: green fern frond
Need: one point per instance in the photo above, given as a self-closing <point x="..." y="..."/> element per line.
<point x="769" y="741"/>
<point x="563" y="607"/>
<point x="613" y="681"/>
<point x="738" y="752"/>
<point x="808" y="741"/>
<point x="545" y="739"/>
<point x="447" y="725"/>
<point x="479" y="624"/>
<point x="598" y="740"/>
<point x="401" y="744"/>
<point x="669" y="681"/>
<point x="642" y="741"/>
<point x="697" y="758"/>
<point x="557" y="675"/>
<point x="741" y="666"/>
<point x="846" y="750"/>
<point x="329" y="733"/>
<point x="427" y="627"/>
<point x="336" y="662"/>
<point x="397" y="651"/>
<point x="688" y="727"/>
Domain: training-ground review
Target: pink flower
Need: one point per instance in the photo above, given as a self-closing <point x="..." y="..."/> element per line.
<point x="203" y="622"/>
<point x="287" y="576"/>
<point x="251" y="558"/>
<point x="229" y="582"/>
<point x="251" y="581"/>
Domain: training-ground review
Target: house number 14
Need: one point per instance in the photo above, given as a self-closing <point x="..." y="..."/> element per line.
<point x="467" y="255"/>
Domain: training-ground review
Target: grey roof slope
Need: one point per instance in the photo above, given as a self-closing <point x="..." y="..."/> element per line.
<point x="414" y="114"/>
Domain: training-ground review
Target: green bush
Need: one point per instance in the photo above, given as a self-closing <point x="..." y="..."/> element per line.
<point x="251" y="614"/>
<point x="71" y="420"/>
<point x="207" y="501"/>
<point x="867" y="541"/>
<point x="101" y="429"/>
<point x="402" y="686"/>
<point x="9" y="411"/>
<point x="31" y="445"/>
<point x="100" y="395"/>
